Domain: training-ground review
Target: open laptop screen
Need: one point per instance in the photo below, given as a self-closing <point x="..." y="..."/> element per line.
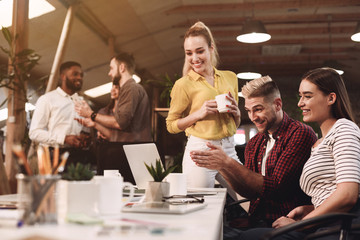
<point x="137" y="155"/>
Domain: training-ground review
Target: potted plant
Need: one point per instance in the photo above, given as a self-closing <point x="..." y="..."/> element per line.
<point x="165" y="84"/>
<point x="157" y="189"/>
<point x="15" y="76"/>
<point x="77" y="194"/>
<point x="78" y="172"/>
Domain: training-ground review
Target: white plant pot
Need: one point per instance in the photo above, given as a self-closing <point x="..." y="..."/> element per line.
<point x="76" y="197"/>
<point x="155" y="191"/>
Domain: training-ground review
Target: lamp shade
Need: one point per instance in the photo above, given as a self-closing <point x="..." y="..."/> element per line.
<point x="356" y="36"/>
<point x="248" y="75"/>
<point x="253" y="32"/>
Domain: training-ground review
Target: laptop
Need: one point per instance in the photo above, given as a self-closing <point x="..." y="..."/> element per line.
<point x="137" y="155"/>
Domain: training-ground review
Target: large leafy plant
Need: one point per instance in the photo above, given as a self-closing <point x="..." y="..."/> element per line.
<point x="166" y="84"/>
<point x="16" y="73"/>
<point x="158" y="172"/>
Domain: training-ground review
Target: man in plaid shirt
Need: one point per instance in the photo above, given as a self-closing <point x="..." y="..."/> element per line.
<point x="274" y="157"/>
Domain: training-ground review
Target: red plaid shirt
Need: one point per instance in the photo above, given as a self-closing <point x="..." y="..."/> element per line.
<point x="281" y="191"/>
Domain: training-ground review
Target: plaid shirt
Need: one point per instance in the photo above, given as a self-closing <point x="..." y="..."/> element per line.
<point x="281" y="191"/>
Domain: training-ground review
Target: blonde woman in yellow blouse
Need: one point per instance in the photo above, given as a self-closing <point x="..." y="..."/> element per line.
<point x="193" y="108"/>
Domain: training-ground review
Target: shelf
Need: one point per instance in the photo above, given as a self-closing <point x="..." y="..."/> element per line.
<point x="162" y="111"/>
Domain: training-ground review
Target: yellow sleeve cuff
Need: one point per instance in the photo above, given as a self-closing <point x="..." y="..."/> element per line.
<point x="172" y="127"/>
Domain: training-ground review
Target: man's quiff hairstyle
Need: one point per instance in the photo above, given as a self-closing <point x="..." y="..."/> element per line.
<point x="128" y="60"/>
<point x="261" y="87"/>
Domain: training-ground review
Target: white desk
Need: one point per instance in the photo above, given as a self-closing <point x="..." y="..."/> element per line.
<point x="202" y="224"/>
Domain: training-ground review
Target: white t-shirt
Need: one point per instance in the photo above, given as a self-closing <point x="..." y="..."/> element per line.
<point x="335" y="160"/>
<point x="269" y="146"/>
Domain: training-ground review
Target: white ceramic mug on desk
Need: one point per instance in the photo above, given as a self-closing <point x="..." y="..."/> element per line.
<point x="112" y="173"/>
<point x="177" y="184"/>
<point x="110" y="195"/>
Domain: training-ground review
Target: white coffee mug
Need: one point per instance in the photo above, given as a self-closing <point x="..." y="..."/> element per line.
<point x="178" y="184"/>
<point x="112" y="173"/>
<point x="222" y="101"/>
<point x="110" y="194"/>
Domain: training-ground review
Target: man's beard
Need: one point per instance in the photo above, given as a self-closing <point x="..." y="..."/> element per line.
<point x="70" y="85"/>
<point x="117" y="78"/>
<point x="270" y="124"/>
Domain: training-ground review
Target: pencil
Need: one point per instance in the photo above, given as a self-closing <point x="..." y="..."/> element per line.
<point x="41" y="160"/>
<point x="19" y="152"/>
<point x="47" y="161"/>
<point x="56" y="156"/>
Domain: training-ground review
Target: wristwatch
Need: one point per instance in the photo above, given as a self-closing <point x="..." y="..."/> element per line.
<point x="93" y="116"/>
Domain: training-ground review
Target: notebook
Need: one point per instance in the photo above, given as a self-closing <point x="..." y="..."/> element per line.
<point x="137" y="155"/>
<point x="163" y="207"/>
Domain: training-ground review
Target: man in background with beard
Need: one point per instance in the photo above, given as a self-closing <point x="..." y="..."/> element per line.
<point x="53" y="122"/>
<point x="131" y="122"/>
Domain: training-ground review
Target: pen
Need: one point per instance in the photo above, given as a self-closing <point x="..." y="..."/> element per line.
<point x="61" y="166"/>
<point x="11" y="223"/>
<point x="5" y="206"/>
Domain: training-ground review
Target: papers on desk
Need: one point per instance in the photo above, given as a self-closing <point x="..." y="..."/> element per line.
<point x="81" y="218"/>
<point x="9" y="218"/>
<point x="143" y="228"/>
<point x="163" y="207"/>
<point x="8" y="201"/>
<point x="201" y="191"/>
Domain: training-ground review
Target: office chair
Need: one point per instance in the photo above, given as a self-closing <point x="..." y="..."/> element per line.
<point x="343" y="229"/>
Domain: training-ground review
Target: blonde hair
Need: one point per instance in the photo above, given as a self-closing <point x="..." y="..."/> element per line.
<point x="261" y="87"/>
<point x="200" y="29"/>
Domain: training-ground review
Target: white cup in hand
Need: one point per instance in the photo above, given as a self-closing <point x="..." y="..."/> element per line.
<point x="177" y="183"/>
<point x="222" y="101"/>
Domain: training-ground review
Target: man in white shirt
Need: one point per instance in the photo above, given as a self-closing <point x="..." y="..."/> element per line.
<point x="53" y="122"/>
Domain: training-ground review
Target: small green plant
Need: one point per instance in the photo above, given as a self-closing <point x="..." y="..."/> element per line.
<point x="78" y="172"/>
<point x="158" y="172"/>
<point x="166" y="84"/>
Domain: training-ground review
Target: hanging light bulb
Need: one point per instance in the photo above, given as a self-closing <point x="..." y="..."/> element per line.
<point x="356" y="36"/>
<point x="253" y="32"/>
<point x="331" y="62"/>
<point x="248" y="71"/>
<point x="248" y="75"/>
<point x="334" y="65"/>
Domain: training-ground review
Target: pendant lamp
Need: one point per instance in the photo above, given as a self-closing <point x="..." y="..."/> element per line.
<point x="253" y="31"/>
<point x="334" y="65"/>
<point x="356" y="36"/>
<point x="248" y="75"/>
<point x="331" y="62"/>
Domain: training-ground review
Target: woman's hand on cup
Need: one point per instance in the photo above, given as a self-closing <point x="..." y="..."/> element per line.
<point x="208" y="107"/>
<point x="233" y="108"/>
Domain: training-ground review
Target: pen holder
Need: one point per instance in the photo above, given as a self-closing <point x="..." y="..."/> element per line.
<point x="37" y="200"/>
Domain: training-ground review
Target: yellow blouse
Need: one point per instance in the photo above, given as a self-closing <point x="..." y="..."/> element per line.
<point x="188" y="95"/>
